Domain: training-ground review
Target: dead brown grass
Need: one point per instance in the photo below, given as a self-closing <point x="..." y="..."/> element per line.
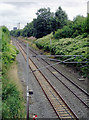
<point x="13" y="76"/>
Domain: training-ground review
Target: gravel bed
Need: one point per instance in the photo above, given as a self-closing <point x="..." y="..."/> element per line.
<point x="39" y="104"/>
<point x="77" y="107"/>
<point x="75" y="104"/>
<point x="72" y="73"/>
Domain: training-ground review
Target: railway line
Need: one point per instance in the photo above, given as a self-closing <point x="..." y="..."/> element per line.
<point x="60" y="107"/>
<point x="79" y="93"/>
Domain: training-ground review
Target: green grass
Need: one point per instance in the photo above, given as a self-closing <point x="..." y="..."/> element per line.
<point x="13" y="105"/>
<point x="0" y="94"/>
<point x="0" y="106"/>
<point x="12" y="101"/>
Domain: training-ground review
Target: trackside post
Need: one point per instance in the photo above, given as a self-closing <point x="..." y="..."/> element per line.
<point x="27" y="86"/>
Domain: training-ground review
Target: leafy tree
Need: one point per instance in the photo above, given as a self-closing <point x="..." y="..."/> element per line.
<point x="28" y="30"/>
<point x="53" y="23"/>
<point x="15" y="33"/>
<point x="43" y="22"/>
<point x="88" y="23"/>
<point x="44" y="13"/>
<point x="79" y="25"/>
<point x="73" y="29"/>
<point x="61" y="18"/>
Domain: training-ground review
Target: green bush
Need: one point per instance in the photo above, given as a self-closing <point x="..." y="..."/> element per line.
<point x="78" y="27"/>
<point x="12" y="102"/>
<point x="67" y="46"/>
<point x="65" y="32"/>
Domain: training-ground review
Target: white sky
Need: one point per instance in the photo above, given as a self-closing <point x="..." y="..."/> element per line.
<point x="13" y="12"/>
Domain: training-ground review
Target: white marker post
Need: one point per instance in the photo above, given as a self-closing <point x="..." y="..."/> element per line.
<point x="27" y="86"/>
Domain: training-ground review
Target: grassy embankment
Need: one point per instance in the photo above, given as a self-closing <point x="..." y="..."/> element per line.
<point x="67" y="46"/>
<point x="12" y="99"/>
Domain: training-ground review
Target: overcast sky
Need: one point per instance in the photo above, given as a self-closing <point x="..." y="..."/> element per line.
<point x="12" y="12"/>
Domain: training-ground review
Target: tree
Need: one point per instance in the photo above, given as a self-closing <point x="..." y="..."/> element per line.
<point x="28" y="30"/>
<point x="16" y="33"/>
<point x="61" y="18"/>
<point x="87" y="23"/>
<point x="43" y="22"/>
<point x="79" y="25"/>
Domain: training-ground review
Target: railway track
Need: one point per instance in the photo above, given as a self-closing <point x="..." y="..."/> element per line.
<point x="60" y="107"/>
<point x="81" y="94"/>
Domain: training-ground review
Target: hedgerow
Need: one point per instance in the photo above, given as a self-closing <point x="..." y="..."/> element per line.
<point x="12" y="102"/>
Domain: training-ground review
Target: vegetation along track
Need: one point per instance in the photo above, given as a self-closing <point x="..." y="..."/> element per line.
<point x="60" y="107"/>
<point x="81" y="94"/>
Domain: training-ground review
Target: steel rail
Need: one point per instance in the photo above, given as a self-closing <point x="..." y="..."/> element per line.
<point x="73" y="116"/>
<point x="66" y="85"/>
<point x="68" y="80"/>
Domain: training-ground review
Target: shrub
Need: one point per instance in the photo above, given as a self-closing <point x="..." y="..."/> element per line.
<point x="67" y="46"/>
<point x="12" y="101"/>
<point x="78" y="27"/>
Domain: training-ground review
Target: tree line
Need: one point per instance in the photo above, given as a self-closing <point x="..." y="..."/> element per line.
<point x="58" y="23"/>
<point x="79" y="26"/>
<point x="45" y="23"/>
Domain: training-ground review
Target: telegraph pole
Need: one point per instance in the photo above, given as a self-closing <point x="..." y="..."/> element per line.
<point x="27" y="86"/>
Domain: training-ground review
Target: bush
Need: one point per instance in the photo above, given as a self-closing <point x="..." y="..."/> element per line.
<point x="65" y="32"/>
<point x="78" y="27"/>
<point x="12" y="101"/>
<point x="67" y="46"/>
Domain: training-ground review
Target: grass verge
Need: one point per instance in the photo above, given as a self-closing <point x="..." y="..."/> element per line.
<point x="12" y="95"/>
